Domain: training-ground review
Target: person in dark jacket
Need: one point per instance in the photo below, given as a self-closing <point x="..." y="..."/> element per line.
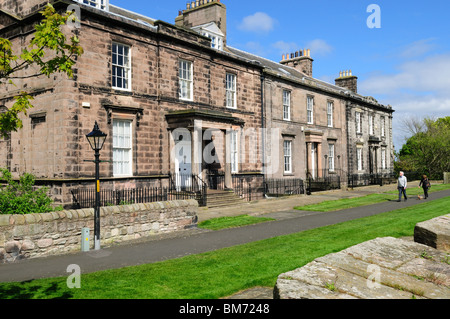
<point x="425" y="183"/>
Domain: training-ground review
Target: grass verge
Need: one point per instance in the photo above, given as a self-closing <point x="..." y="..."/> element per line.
<point x="224" y="272"/>
<point x="334" y="205"/>
<point x="231" y="222"/>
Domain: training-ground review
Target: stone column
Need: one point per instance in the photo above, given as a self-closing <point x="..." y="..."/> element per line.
<point x="197" y="152"/>
<point x="308" y="159"/>
<point x="227" y="147"/>
<point x="319" y="160"/>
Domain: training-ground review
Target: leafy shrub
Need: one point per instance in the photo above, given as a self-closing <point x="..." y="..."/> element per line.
<point x="21" y="198"/>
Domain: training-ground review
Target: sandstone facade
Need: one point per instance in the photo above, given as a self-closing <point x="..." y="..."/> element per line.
<point x="179" y="102"/>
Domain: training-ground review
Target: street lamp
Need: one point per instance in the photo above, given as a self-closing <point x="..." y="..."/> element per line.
<point x="96" y="139"/>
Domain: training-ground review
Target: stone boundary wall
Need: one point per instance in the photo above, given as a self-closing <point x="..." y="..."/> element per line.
<point x="58" y="233"/>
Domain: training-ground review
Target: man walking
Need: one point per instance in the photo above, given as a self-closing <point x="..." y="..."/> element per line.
<point x="402" y="184"/>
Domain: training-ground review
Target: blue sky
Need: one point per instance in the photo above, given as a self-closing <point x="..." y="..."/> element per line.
<point x="404" y="63"/>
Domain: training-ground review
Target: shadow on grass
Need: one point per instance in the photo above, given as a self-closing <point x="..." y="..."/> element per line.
<point x="34" y="290"/>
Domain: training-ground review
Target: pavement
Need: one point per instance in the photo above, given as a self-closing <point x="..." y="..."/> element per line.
<point x="196" y="241"/>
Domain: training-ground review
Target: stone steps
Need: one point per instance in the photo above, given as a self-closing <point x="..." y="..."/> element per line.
<point x="222" y="199"/>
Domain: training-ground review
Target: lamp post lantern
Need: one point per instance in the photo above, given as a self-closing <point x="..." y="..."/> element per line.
<point x="97" y="139"/>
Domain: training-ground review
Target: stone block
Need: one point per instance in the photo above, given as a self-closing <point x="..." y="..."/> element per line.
<point x="30" y="219"/>
<point x="19" y="219"/>
<point x="28" y="245"/>
<point x="5" y="220"/>
<point x="13" y="247"/>
<point x="45" y="243"/>
<point x="384" y="268"/>
<point x="434" y="233"/>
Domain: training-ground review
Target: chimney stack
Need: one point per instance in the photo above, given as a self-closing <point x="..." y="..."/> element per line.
<point x="300" y="60"/>
<point x="200" y="12"/>
<point x="347" y="80"/>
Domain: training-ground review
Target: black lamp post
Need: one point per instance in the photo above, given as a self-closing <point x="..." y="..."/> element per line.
<point x="96" y="139"/>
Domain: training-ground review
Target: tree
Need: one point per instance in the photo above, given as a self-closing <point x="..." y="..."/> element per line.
<point x="23" y="197"/>
<point x="48" y="53"/>
<point x="428" y="151"/>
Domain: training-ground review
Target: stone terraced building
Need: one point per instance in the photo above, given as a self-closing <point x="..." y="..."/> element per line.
<point x="175" y="98"/>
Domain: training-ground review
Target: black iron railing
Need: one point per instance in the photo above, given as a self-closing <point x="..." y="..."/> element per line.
<point x="181" y="187"/>
<point x="282" y="187"/>
<point x="85" y="197"/>
<point x="358" y="180"/>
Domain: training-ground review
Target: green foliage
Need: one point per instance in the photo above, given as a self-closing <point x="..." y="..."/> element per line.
<point x="49" y="50"/>
<point x="21" y="198"/>
<point x="427" y="152"/>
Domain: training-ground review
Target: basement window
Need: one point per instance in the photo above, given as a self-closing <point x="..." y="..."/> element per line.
<point x="37" y="119"/>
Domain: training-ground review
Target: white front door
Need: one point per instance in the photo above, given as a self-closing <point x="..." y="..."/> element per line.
<point x="183" y="161"/>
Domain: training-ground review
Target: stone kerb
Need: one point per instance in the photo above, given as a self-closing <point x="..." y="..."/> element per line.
<point x="56" y="233"/>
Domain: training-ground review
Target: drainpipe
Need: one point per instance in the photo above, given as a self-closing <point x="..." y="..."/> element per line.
<point x="263" y="126"/>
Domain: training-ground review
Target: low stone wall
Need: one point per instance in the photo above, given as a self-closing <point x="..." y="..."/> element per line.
<point x="56" y="233"/>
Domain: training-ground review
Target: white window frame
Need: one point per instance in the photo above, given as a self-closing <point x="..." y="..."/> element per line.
<point x="331" y="154"/>
<point x="310" y="109"/>
<point x="359" y="158"/>
<point x="383" y="126"/>
<point x="121" y="62"/>
<point x="330" y="112"/>
<point x="371" y="124"/>
<point x="383" y="158"/>
<point x="122" y="147"/>
<point x="234" y="149"/>
<point x="358" y="117"/>
<point x="100" y="4"/>
<point x="186" y="80"/>
<point x="286" y="105"/>
<point x="216" y="40"/>
<point x="287" y="153"/>
<point x="230" y="87"/>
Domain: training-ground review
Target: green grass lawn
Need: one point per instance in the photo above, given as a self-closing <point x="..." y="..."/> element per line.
<point x="224" y="272"/>
<point x="231" y="222"/>
<point x="334" y="205"/>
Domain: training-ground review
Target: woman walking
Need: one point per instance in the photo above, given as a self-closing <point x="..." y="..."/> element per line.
<point x="425" y="183"/>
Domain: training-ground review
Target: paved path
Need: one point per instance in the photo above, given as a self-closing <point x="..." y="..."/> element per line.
<point x="192" y="242"/>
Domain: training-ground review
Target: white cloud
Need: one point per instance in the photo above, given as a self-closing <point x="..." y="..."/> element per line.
<point x="259" y="22"/>
<point x="418" y="88"/>
<point x="417" y="48"/>
<point x="319" y="47"/>
<point x="285" y="47"/>
<point x="428" y="75"/>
